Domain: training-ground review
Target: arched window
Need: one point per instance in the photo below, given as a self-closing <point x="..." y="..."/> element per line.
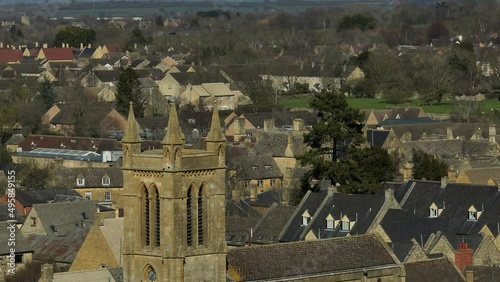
<point x="146" y="217"/>
<point x="189" y="219"/>
<point x="157" y="218"/>
<point x="200" y="216"/>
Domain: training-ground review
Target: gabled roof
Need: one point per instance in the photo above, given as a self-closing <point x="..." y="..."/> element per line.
<point x="483" y="273"/>
<point x="94" y="114"/>
<point x="255" y="167"/>
<point x="8" y="55"/>
<point x="58" y="54"/>
<point x="66" y="177"/>
<point x="417" y="196"/>
<point x="459" y="129"/>
<point x="6" y="215"/>
<point x="70" y="143"/>
<point x="238" y="229"/>
<point x="270" y="226"/>
<point x="376" y="137"/>
<point x="107" y="75"/>
<point x="432" y="270"/>
<point x="360" y="208"/>
<point x="481" y="176"/>
<point x="275" y="143"/>
<point x="38" y="196"/>
<point x="22" y="245"/>
<point x="406" y="121"/>
<point x="307" y="258"/>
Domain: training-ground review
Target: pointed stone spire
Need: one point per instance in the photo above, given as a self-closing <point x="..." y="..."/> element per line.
<point x="131" y="132"/>
<point x="215" y="133"/>
<point x="173" y="134"/>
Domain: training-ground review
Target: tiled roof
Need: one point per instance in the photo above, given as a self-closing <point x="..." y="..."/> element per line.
<point x="287" y="260"/>
<point x="8" y="55"/>
<point x="482" y="175"/>
<point x="432" y="270"/>
<point x="39" y="196"/>
<point x="67" y="177"/>
<point x="107" y="75"/>
<point x="270" y="226"/>
<point x="58" y="54"/>
<point x="71" y="143"/>
<point x="459" y="129"/>
<point x="484" y="273"/>
<point x="255" y="167"/>
<point x="238" y="230"/>
<point x="57" y="249"/>
<point x="275" y="143"/>
<point x="22" y="245"/>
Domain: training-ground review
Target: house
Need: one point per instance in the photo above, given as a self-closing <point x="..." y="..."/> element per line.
<point x="102" y="246"/>
<point x="106" y="49"/>
<point x="26" y="199"/>
<point x="101" y="185"/>
<point x="101" y="78"/>
<point x="479" y="176"/>
<point x="206" y="94"/>
<point x="362" y="256"/>
<point x="22" y="254"/>
<point x="375" y="117"/>
<point x="56" y="54"/>
<point x="174" y="84"/>
<point x="10" y="56"/>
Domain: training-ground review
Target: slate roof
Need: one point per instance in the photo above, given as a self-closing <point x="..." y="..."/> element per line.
<point x="5" y="214"/>
<point x="107" y="75"/>
<point x="27" y="68"/>
<point x="311" y="202"/>
<point x="266" y="198"/>
<point x="484" y="273"/>
<point x="39" y="196"/>
<point x="280" y="118"/>
<point x="376" y="137"/>
<point x="195" y="78"/>
<point x="255" y="167"/>
<point x="241" y="209"/>
<point x="432" y="270"/>
<point x="67" y="177"/>
<point x="268" y="229"/>
<point x="275" y="143"/>
<point x="459" y="129"/>
<point x="67" y="217"/>
<point x="95" y="114"/>
<point x="361" y="208"/>
<point x="70" y="143"/>
<point x="307" y="258"/>
<point x="406" y="121"/>
<point x="22" y="245"/>
<point x="57" y="249"/>
<point x="417" y="196"/>
<point x="238" y="230"/>
<point x="449" y="149"/>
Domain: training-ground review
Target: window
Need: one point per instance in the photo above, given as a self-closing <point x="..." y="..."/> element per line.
<point x="305" y="218"/>
<point x="107" y="196"/>
<point x="267" y="167"/>
<point x="472" y="215"/>
<point x="200" y="217"/>
<point x="189" y="219"/>
<point x="146" y="217"/>
<point x="433" y="212"/>
<point x="88" y="196"/>
<point x="329" y="223"/>
<point x="33" y="221"/>
<point x="170" y="86"/>
<point x="53" y="228"/>
<point x="85" y="216"/>
<point x="255" y="168"/>
<point x="346" y="226"/>
<point x="106" y="180"/>
<point x="273" y="182"/>
<point x="157" y="218"/>
<point x="260" y="183"/>
<point x="80" y="181"/>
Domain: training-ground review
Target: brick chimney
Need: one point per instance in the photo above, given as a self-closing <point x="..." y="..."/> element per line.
<point x="47" y="274"/>
<point x="463" y="256"/>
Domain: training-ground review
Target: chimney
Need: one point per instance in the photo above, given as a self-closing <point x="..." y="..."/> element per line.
<point x="1" y="44"/>
<point x="477" y="135"/>
<point x="463" y="256"/>
<point x="36" y="44"/>
<point x="89" y="46"/>
<point x="469" y="276"/>
<point x="444" y="181"/>
<point x="45" y="45"/>
<point x="269" y="125"/>
<point x="449" y="133"/>
<point x="253" y="190"/>
<point x="239" y="127"/>
<point x="492" y="133"/>
<point x="135" y="46"/>
<point x="332" y="189"/>
<point x="47" y="274"/>
<point x="287" y="178"/>
<point x="63" y="45"/>
<point x="452" y="174"/>
<point x="298" y="125"/>
<point x="81" y="46"/>
<point x="389" y="194"/>
<point x="406" y="137"/>
<point x="407" y="171"/>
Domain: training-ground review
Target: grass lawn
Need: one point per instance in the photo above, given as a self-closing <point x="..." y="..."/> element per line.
<point x="374" y="103"/>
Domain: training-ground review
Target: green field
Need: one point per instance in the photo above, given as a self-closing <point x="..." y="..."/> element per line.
<point x="373" y="103"/>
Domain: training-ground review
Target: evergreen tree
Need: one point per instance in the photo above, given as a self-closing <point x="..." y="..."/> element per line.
<point x="427" y="166"/>
<point x="129" y="90"/>
<point x="335" y="153"/>
<point x="46" y="93"/>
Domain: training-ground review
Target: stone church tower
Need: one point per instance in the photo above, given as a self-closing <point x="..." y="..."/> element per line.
<point x="174" y="206"/>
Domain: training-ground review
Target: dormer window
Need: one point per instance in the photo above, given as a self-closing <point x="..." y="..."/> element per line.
<point x="345" y="225"/>
<point x="330" y="222"/>
<point x="305" y="218"/>
<point x="255" y="168"/>
<point x="53" y="228"/>
<point x="33" y="145"/>
<point x="473" y="214"/>
<point x="267" y="167"/>
<point x="80" y="181"/>
<point x="435" y="210"/>
<point x="106" y="180"/>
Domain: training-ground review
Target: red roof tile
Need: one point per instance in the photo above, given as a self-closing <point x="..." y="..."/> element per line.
<point x="10" y="55"/>
<point x="114" y="48"/>
<point x="58" y="54"/>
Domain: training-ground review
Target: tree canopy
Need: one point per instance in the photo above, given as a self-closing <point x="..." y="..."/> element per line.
<point x="427" y="166"/>
<point x="129" y="90"/>
<point x="335" y="153"/>
<point x="74" y="36"/>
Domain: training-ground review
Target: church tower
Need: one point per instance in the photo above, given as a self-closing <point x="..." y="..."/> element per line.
<point x="174" y="201"/>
